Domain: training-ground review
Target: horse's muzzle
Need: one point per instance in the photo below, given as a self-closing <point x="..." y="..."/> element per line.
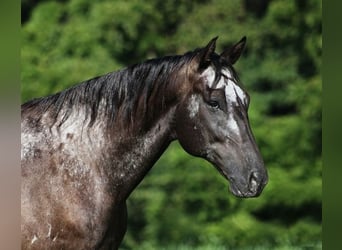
<point x="253" y="188"/>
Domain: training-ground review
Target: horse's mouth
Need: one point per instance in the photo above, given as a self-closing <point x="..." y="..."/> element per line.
<point x="241" y="192"/>
<point x="245" y="189"/>
<point x="246" y="194"/>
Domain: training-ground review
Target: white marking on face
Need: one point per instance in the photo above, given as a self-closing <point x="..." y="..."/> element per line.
<point x="232" y="124"/>
<point x="232" y="92"/>
<point x="193" y="106"/>
<point x="209" y="76"/>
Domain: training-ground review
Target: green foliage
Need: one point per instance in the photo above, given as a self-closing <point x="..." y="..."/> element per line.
<point x="183" y="200"/>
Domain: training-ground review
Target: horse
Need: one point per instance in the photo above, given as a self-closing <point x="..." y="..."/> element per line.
<point x="86" y="148"/>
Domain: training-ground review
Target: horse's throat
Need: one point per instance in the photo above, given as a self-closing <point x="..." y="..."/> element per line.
<point x="136" y="156"/>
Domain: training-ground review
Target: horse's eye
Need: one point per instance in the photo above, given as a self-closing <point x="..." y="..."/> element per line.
<point x="214" y="104"/>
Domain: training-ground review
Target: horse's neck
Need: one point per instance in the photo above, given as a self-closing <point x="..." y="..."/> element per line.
<point x="134" y="155"/>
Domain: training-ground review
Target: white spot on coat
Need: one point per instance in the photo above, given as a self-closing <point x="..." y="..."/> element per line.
<point x="193" y="106"/>
<point x="34" y="239"/>
<point x="49" y="232"/>
<point x="209" y="76"/>
<point x="54" y="239"/>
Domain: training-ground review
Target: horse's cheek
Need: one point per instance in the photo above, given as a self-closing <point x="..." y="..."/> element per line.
<point x="189" y="134"/>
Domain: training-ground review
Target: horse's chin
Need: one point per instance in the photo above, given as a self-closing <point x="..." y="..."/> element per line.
<point x="242" y="194"/>
<point x="240" y="191"/>
<point x="237" y="193"/>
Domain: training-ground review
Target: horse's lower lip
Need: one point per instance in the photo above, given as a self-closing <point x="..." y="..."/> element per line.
<point x="238" y="193"/>
<point x="234" y="189"/>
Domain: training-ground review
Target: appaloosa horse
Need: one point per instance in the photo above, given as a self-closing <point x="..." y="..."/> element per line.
<point x="85" y="149"/>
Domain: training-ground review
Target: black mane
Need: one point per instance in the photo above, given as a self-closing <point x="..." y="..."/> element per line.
<point x="120" y="90"/>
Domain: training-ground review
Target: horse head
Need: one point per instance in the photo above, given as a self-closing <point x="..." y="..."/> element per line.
<point x="212" y="120"/>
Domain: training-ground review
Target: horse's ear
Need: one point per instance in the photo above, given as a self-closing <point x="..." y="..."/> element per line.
<point x="232" y="55"/>
<point x="205" y="53"/>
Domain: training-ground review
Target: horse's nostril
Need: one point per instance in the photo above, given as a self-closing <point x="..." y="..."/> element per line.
<point x="253" y="183"/>
<point x="253" y="176"/>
